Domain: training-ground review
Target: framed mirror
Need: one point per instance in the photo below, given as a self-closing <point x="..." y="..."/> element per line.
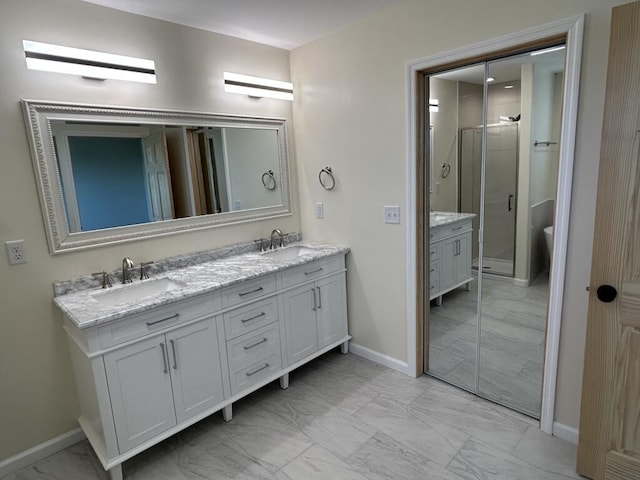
<point x="115" y="174"/>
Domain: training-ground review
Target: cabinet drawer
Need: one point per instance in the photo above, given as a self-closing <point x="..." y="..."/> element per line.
<point x="245" y="377"/>
<point x="252" y="347"/>
<point x="248" y="291"/>
<point x="454" y="229"/>
<point x="249" y="317"/>
<point x="312" y="270"/>
<point x="434" y="234"/>
<point x="434" y="251"/>
<point x="157" y="319"/>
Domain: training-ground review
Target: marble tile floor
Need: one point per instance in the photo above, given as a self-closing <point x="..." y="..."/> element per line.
<point x="343" y="417"/>
<point x="511" y="346"/>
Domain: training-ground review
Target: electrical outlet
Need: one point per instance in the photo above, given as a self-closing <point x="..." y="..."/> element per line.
<point x="319" y="210"/>
<point x="391" y="214"/>
<point x="16" y="252"/>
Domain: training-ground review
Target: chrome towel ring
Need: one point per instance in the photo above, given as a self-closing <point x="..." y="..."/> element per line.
<point x="329" y="181"/>
<point x="268" y="180"/>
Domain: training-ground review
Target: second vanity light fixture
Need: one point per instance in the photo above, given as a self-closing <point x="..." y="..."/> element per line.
<point x="88" y="63"/>
<point x="257" y="86"/>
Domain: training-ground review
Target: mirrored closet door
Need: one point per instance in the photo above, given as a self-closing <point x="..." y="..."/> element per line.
<point x="493" y="156"/>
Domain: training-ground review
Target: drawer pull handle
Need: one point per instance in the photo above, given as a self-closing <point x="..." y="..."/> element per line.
<point x="266" y="365"/>
<point x="164" y="357"/>
<point x="153" y="322"/>
<point x="456" y="229"/>
<point x="175" y="358"/>
<point x="314" y="271"/>
<point x="245" y="320"/>
<point x="319" y="298"/>
<point x="242" y="294"/>
<point x="259" y="342"/>
<point x="432" y="270"/>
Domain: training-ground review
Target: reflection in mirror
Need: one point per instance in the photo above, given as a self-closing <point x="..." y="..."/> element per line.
<point x="498" y="128"/>
<point x="113" y="174"/>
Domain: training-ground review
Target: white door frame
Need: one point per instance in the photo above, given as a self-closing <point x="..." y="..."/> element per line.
<point x="573" y="28"/>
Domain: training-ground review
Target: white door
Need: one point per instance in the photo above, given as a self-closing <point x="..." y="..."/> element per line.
<point x="195" y="368"/>
<point x="140" y="390"/>
<point x="609" y="446"/>
<point x="156" y="165"/>
<point x="300" y="322"/>
<point x="331" y="315"/>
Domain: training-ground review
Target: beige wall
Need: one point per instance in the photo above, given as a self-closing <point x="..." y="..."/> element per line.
<point x="350" y="112"/>
<point x="37" y="396"/>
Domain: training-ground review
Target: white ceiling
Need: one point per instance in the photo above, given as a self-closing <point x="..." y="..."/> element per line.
<point x="282" y="23"/>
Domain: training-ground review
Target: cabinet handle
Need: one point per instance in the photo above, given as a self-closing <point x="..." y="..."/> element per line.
<point x="164" y="357"/>
<point x="260" y="342"/>
<point x="319" y="298"/>
<point x="175" y="358"/>
<point x="153" y="322"/>
<point x="456" y="229"/>
<point x="242" y="294"/>
<point x="313" y="292"/>
<point x="457" y="247"/>
<point x="509" y="207"/>
<point x="432" y="270"/>
<point x="314" y="271"/>
<point x="266" y="365"/>
<point x="245" y="320"/>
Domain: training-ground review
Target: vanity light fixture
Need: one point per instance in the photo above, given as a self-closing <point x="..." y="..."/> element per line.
<point x="257" y="86"/>
<point x="547" y="50"/>
<point x="88" y="63"/>
<point x="434" y="105"/>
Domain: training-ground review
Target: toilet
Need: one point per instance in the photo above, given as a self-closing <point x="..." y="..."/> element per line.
<point x="548" y="236"/>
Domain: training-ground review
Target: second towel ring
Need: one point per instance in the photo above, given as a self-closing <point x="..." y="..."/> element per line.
<point x="268" y="180"/>
<point x="327" y="184"/>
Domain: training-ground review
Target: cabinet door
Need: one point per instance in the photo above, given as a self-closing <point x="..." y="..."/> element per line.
<point x="463" y="259"/>
<point x="300" y="322"/>
<point x="195" y="367"/>
<point x="140" y="391"/>
<point x="331" y="312"/>
<point x="448" y="253"/>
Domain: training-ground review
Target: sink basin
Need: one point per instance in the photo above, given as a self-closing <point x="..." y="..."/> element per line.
<point x="135" y="291"/>
<point x="292" y="251"/>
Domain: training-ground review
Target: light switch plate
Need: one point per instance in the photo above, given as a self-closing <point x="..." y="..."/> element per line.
<point x="391" y="214"/>
<point x="319" y="210"/>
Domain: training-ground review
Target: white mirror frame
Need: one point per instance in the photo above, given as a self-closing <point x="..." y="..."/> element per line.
<point x="38" y="116"/>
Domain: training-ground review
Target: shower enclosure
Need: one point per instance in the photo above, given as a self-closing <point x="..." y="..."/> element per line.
<point x="500" y="193"/>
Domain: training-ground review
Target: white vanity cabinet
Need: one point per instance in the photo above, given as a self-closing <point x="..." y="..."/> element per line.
<point x="145" y="376"/>
<point x="450" y="254"/>
<point x="157" y="383"/>
<point x="314" y="313"/>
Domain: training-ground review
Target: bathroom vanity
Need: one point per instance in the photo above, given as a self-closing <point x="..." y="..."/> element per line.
<point x="449" y="252"/>
<point x="152" y="357"/>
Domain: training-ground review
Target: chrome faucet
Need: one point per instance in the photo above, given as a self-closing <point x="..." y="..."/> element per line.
<point x="127" y="264"/>
<point x="277" y="231"/>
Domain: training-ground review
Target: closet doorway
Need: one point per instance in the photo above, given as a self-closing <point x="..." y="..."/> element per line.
<point x="493" y="154"/>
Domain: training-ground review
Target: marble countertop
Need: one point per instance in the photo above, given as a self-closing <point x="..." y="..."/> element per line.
<point x="437" y="219"/>
<point x="84" y="310"/>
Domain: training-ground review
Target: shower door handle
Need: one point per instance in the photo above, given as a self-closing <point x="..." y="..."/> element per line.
<point x="509" y="202"/>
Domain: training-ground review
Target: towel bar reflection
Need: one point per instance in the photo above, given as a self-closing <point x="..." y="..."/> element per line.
<point x="543" y="144"/>
<point x="327" y="181"/>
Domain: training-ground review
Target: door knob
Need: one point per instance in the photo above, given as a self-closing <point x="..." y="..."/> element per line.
<point x="606" y="293"/>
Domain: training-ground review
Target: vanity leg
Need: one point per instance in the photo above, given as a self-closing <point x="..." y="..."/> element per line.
<point x="439" y="301"/>
<point x="344" y="348"/>
<point x="284" y="381"/>
<point x="227" y="413"/>
<point x="467" y="286"/>
<point x="116" y="472"/>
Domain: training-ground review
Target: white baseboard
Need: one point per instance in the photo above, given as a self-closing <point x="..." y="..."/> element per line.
<point x="39" y="452"/>
<point x="520" y="282"/>
<point x="565" y="432"/>
<point x="380" y="358"/>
